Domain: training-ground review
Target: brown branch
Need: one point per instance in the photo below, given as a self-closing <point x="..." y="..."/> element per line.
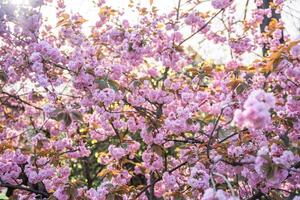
<point x="21" y="100"/>
<point x="246" y="10"/>
<point x="201" y="28"/>
<point x="230" y="136"/>
<point x="19" y="187"/>
<point x="178" y="9"/>
<point x="235" y="163"/>
<point x="212" y="133"/>
<point x="152" y="185"/>
<point x="87" y="171"/>
<point x="158" y="179"/>
<point x="190" y="141"/>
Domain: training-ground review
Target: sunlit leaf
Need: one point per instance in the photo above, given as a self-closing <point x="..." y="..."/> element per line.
<point x="80" y="21"/>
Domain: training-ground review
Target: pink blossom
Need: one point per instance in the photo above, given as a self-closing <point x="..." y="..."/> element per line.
<point x="295" y="51"/>
<point x="113" y="108"/>
<point x="169" y="180"/>
<point x="198" y="179"/>
<point x="221" y="4"/>
<point x="256" y="110"/>
<point x="35" y="57"/>
<point x="116" y="152"/>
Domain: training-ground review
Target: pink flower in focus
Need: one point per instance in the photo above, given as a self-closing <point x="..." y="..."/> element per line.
<point x="198" y="179"/>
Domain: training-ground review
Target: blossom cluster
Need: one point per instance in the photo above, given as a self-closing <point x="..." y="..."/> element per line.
<point x="130" y="110"/>
<point x="256" y="113"/>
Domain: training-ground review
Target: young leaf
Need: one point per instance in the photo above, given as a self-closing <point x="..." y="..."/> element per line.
<point x="77" y="115"/>
<point x="241" y="88"/>
<point x="113" y="85"/>
<point x="3" y="76"/>
<point x="67" y="119"/>
<point x="102" y="83"/>
<point x="60" y="116"/>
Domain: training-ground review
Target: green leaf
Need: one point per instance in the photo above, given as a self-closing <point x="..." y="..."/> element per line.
<point x="60" y="116"/>
<point x="189" y="121"/>
<point x="3" y="196"/>
<point x="289" y="121"/>
<point x="270" y="169"/>
<point x="67" y="119"/>
<point x="105" y="83"/>
<point x="55" y="114"/>
<point x="3" y="76"/>
<point x="150" y="129"/>
<point x="113" y="85"/>
<point x="241" y="88"/>
<point x="178" y="196"/>
<point x="276" y="195"/>
<point x="285" y="139"/>
<point x="157" y="149"/>
<point x="77" y="115"/>
<point x="72" y="192"/>
<point x="102" y="83"/>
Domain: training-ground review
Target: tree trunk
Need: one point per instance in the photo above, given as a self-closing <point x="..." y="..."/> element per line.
<point x="266" y="21"/>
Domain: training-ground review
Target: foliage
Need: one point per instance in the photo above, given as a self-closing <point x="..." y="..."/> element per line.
<point x="129" y="111"/>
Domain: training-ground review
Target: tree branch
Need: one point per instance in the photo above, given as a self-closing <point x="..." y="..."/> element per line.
<point x="18" y="187"/>
<point x="21" y="100"/>
<point x="158" y="179"/>
<point x="200" y="29"/>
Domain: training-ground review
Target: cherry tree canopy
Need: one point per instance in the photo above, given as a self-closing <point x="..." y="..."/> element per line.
<point x="130" y="110"/>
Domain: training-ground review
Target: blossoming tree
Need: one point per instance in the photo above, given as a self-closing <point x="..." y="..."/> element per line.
<point x="128" y="111"/>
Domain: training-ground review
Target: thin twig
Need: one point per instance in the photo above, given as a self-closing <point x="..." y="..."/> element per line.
<point x="200" y="29"/>
<point x="21" y="100"/>
<point x="18" y="187"/>
<point x="246" y="10"/>
<point x="158" y="179"/>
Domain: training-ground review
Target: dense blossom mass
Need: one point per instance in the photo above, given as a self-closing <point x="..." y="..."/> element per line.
<point x="128" y="110"/>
